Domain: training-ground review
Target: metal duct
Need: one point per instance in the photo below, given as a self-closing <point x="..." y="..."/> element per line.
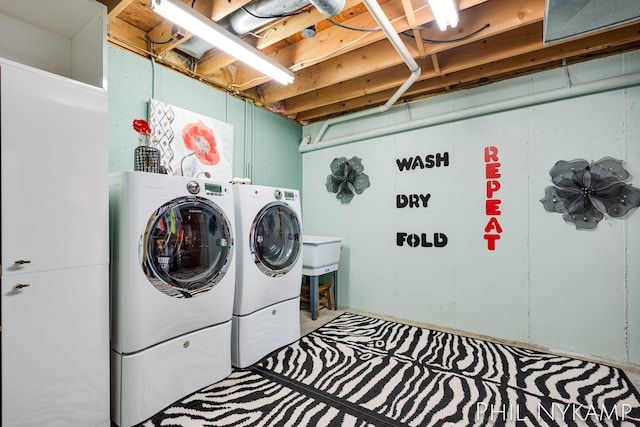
<point x="328" y="7"/>
<point x="243" y="20"/>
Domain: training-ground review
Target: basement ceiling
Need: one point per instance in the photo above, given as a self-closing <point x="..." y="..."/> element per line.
<point x="349" y="65"/>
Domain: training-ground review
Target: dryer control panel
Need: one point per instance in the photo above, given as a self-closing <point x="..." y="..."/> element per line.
<point x="213" y="189"/>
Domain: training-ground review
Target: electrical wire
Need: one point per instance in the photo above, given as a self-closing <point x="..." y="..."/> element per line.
<point x="264" y="36"/>
<point x="285" y="15"/>
<point x="459" y="39"/>
<point x="317" y="58"/>
<point x="346" y="27"/>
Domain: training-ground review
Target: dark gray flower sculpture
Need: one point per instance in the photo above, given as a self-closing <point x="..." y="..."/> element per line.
<point x="347" y="178"/>
<point x="584" y="191"/>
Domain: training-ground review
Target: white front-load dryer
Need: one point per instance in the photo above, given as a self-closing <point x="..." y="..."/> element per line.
<point x="172" y="289"/>
<point x="266" y="314"/>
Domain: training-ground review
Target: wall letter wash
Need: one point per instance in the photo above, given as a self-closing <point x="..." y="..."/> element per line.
<point x="492" y="204"/>
<point x="420" y="200"/>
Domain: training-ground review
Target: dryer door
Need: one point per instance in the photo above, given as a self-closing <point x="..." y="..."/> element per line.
<point x="187" y="247"/>
<point x="275" y="239"/>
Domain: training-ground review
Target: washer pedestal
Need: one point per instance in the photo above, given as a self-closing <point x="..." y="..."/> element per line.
<point x="146" y="382"/>
<point x="266" y="330"/>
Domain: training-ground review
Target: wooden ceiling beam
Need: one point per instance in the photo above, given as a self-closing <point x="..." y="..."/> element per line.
<point x="115" y="7"/>
<point x="220" y="9"/>
<point x="409" y="13"/>
<point x="419" y="42"/>
<point x="127" y="36"/>
<point x="436" y="65"/>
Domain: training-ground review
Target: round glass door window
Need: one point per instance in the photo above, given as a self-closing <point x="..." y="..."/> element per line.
<point x="187" y="247"/>
<point x="275" y="239"/>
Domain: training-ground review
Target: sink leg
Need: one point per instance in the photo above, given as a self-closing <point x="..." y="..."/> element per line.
<point x="313" y="300"/>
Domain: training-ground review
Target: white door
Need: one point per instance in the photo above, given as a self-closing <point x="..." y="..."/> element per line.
<point x="53" y="369"/>
<point x="54" y="221"/>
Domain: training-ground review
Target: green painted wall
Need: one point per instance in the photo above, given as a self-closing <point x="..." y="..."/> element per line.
<point x="265" y="146"/>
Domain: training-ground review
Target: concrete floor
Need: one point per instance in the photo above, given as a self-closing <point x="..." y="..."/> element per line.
<point x="307" y="325"/>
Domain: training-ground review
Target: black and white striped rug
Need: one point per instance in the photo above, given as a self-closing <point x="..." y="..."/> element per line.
<point x="361" y="371"/>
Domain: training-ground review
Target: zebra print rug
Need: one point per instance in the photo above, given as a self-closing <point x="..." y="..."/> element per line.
<point x="362" y="371"/>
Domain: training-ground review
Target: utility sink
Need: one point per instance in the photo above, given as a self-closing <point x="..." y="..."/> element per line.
<point x="320" y="254"/>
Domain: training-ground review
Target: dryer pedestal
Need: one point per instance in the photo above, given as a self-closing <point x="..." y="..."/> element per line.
<point x="148" y="381"/>
<point x="257" y="334"/>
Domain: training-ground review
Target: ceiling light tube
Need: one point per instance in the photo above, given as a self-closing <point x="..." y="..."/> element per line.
<point x="445" y="13"/>
<point x="206" y="29"/>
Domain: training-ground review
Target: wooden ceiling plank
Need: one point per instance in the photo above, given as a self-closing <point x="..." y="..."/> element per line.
<point x="419" y="42"/>
<point x="127" y="36"/>
<point x="409" y="13"/>
<point x="115" y="7"/>
<point x="434" y="61"/>
<point x="221" y="9"/>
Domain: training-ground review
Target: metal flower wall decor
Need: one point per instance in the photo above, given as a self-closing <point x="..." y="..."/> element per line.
<point x="347" y="178"/>
<point x="583" y="192"/>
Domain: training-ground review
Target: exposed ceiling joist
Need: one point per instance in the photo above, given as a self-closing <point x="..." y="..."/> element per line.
<point x="345" y="68"/>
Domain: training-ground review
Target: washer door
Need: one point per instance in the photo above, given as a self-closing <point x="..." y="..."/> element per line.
<point x="275" y="239"/>
<point x="187" y="247"/>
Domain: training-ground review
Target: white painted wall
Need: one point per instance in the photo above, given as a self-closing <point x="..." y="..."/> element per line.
<point x="545" y="283"/>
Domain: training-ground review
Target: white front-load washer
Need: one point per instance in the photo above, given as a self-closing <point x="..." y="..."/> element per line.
<point x="172" y="289"/>
<point x="266" y="314"/>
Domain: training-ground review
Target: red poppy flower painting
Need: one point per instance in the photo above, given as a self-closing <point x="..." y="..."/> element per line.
<point x="200" y="139"/>
<point x="192" y="144"/>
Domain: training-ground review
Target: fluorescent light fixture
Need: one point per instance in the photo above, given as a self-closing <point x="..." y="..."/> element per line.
<point x="445" y="13"/>
<point x="206" y="29"/>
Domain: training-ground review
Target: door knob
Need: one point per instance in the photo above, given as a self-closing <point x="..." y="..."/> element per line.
<point x="23" y="261"/>
<point x="21" y="286"/>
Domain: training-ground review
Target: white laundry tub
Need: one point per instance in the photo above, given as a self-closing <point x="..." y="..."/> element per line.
<point x="320" y="254"/>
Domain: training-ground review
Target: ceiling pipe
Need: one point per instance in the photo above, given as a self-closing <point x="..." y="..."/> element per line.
<point x="590" y="88"/>
<point x="386" y="26"/>
<point x="249" y="18"/>
<point x="384" y="23"/>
